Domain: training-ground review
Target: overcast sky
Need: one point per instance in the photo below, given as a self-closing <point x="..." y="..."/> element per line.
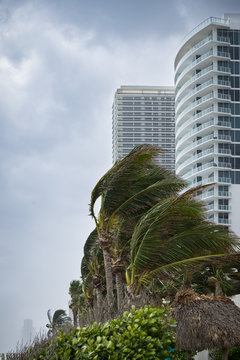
<point x="60" y="64"/>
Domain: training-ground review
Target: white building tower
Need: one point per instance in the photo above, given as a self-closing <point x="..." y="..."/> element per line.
<point x="144" y="114"/>
<point x="207" y="115"/>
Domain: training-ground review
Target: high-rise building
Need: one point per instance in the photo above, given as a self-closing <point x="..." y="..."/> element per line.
<point x="144" y="114"/>
<point x="207" y="111"/>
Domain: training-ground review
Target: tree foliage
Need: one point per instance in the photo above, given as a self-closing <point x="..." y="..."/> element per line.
<point x="58" y="321"/>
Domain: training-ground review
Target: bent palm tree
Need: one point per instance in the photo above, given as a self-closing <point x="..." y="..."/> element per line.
<point x="131" y="187"/>
<point x="92" y="265"/>
<point x="174" y="235"/>
<point x="58" y="321"/>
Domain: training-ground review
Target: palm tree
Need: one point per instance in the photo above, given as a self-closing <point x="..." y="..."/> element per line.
<point x="221" y="277"/>
<point x="173" y="235"/>
<point x="92" y="266"/>
<point x="131" y="187"/>
<point x="58" y="321"/>
<point x="88" y="290"/>
<point x="75" y="291"/>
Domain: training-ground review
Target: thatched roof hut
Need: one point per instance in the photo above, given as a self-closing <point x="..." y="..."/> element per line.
<point x="205" y="322"/>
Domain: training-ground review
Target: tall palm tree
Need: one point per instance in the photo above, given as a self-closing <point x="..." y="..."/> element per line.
<point x="127" y="190"/>
<point x="173" y="235"/>
<point x="75" y="291"/>
<point x="92" y="266"/>
<point x="88" y="290"/>
<point x="58" y="321"/>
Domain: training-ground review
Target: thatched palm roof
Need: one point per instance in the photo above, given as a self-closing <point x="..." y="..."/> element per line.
<point x="205" y="322"/>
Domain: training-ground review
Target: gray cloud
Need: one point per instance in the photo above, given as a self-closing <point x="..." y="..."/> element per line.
<point x="60" y="63"/>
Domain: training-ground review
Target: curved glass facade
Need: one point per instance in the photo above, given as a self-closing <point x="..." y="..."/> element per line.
<point x="207" y="112"/>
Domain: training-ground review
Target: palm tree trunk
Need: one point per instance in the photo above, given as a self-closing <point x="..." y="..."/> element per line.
<point x="99" y="300"/>
<point x="109" y="282"/>
<point x="218" y="289"/>
<point x="91" y="318"/>
<point x="224" y="354"/>
<point x="75" y="313"/>
<point x="189" y="355"/>
<point x="119" y="287"/>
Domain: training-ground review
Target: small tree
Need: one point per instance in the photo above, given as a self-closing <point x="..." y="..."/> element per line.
<point x="75" y="291"/>
<point x="58" y="321"/>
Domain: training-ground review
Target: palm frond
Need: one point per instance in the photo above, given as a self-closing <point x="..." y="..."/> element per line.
<point x="165" y="219"/>
<point x="143" y="200"/>
<point x="49" y="316"/>
<point x="174" y="230"/>
<point x="91" y="244"/>
<point x="183" y="264"/>
<point x="115" y="183"/>
<point x="84" y="268"/>
<point x="60" y="317"/>
<point x="75" y="288"/>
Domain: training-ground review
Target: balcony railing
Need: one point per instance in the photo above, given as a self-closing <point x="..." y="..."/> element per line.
<point x="224" y="137"/>
<point x="197" y="116"/>
<point x="205" y="195"/>
<point x="224" y="180"/>
<point x="195" y="77"/>
<point x="224" y="82"/>
<point x="210" y="207"/>
<point x="219" y="207"/>
<point x="192" y="50"/>
<point x="195" y="62"/>
<point x="224" y="96"/>
<point x="224" y="207"/>
<point x="202" y="113"/>
<point x="211" y="52"/>
<point x="224" y="54"/>
<point x="224" y="164"/>
<point x="224" y="123"/>
<point x="225" y="151"/>
<point x="202" y="182"/>
<point x="195" y="103"/>
<point x="198" y="45"/>
<point x="223" y="39"/>
<point x="224" y="193"/>
<point x="201" y="73"/>
<point x="195" y="157"/>
<point x="224" y="109"/>
<point x="201" y="87"/>
<point x="196" y="143"/>
<point x="224" y="69"/>
<point x="179" y="129"/>
<point x="205" y="23"/>
<point x="224" y="221"/>
<point x="194" y="131"/>
<point x="198" y="169"/>
<point x="193" y="92"/>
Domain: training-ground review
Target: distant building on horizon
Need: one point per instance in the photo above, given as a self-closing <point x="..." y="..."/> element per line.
<point x="144" y="114"/>
<point x="28" y="332"/>
<point x="207" y="111"/>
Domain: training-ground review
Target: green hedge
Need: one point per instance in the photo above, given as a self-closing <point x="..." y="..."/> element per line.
<point x="147" y="333"/>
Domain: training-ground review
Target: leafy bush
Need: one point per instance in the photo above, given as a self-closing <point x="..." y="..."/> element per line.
<point x="146" y="333"/>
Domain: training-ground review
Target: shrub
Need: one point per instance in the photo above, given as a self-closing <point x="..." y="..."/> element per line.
<point x="147" y="333"/>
